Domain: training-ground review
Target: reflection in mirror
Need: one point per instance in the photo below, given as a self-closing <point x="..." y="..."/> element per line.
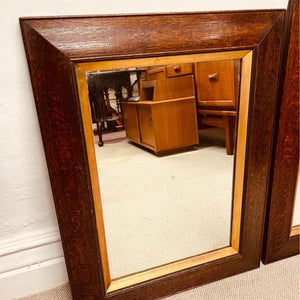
<point x="166" y="142"/>
<point x="164" y="139"/>
<point x="296" y="213"/>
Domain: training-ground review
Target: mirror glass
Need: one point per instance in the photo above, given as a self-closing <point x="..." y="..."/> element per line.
<point x="296" y="214"/>
<point x="169" y="139"/>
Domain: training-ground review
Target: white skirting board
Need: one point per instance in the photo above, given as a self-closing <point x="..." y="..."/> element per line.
<point x="31" y="264"/>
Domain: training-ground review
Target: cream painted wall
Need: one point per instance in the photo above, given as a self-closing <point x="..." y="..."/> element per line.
<point x="28" y="222"/>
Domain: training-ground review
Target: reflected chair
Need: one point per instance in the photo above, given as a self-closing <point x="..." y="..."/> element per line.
<point x="217" y="85"/>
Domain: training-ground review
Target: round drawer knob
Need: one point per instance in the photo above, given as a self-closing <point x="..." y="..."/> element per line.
<point x="177" y="69"/>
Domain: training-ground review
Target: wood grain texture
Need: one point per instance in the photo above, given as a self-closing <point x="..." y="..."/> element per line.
<point x="175" y="124"/>
<point x="102" y="37"/>
<point x="54" y="44"/>
<point x="174" y="88"/>
<point x="156" y="60"/>
<point x="170" y="268"/>
<point x="260" y="134"/>
<point x="279" y="243"/>
<point x="61" y="127"/>
<point x="164" y="126"/>
<point x="89" y="137"/>
<point x="241" y="141"/>
<point x="154" y="73"/>
<point x="216" y="85"/>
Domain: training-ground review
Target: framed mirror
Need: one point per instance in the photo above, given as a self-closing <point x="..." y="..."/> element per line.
<point x="158" y="135"/>
<point x="152" y="190"/>
<point x="283" y="214"/>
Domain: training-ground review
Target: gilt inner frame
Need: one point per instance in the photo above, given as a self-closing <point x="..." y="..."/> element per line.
<point x="239" y="166"/>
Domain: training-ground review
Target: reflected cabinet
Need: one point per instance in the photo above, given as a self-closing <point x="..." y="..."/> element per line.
<point x="158" y="133"/>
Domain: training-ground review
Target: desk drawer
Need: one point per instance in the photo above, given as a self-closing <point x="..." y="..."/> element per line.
<point x="218" y="83"/>
<point x="180" y="69"/>
<point x="155" y="73"/>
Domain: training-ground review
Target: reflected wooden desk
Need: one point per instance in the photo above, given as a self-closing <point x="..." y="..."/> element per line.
<point x="162" y="126"/>
<point x="217" y="85"/>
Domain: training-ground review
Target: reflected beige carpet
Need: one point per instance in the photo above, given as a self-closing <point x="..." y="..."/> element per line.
<point x="277" y="281"/>
<point x="162" y="209"/>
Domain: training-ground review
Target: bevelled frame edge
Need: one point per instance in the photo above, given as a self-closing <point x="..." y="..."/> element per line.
<point x="54" y="83"/>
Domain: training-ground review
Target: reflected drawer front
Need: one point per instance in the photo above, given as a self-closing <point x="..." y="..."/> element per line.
<point x="217" y="83"/>
<point x="180" y="69"/>
<point x="156" y="73"/>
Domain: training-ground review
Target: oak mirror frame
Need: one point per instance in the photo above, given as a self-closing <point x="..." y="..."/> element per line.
<point x="282" y="228"/>
<point x="61" y="49"/>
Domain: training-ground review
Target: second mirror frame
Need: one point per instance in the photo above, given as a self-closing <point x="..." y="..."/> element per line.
<point x="58" y="47"/>
<point x="282" y="237"/>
